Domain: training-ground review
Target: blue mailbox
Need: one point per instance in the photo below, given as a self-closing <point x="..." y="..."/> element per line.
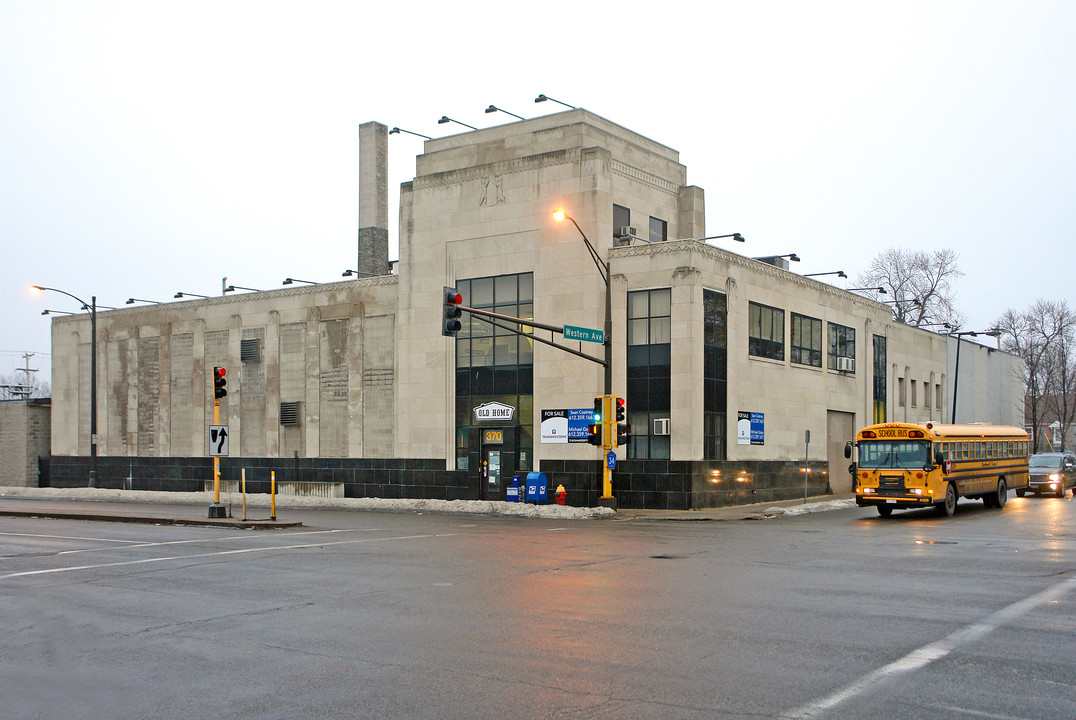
<point x="537" y="488"/>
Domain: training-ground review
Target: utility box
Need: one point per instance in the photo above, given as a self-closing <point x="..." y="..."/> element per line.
<point x="511" y="493"/>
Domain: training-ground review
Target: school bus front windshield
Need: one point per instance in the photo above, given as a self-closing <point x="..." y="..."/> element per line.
<point x="908" y="454"/>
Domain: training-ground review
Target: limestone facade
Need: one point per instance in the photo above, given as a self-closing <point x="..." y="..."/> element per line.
<point x="364" y="367"/>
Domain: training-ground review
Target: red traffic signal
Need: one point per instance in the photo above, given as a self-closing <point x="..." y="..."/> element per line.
<point x="450" y="323"/>
<point x="594" y="434"/>
<point x="219" y="382"/>
<point x="619" y="409"/>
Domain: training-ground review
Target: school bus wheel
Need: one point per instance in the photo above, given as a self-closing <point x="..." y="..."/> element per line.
<point x="948" y="506"/>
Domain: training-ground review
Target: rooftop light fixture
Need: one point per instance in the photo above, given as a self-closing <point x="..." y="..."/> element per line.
<point x="735" y="236"/>
<point x="396" y="131"/>
<point x="838" y="273"/>
<point x="446" y="119"/>
<point x="494" y="108"/>
<point x="289" y="281"/>
<point x="132" y="301"/>
<point x="183" y="294"/>
<point x="543" y="98"/>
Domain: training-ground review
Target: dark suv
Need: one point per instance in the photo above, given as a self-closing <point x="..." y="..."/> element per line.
<point x="1051" y="473"/>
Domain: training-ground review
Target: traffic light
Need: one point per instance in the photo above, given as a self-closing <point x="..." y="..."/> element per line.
<point x="451" y="323"/>
<point x="623" y="429"/>
<point x="219" y="382"/>
<point x="594" y="430"/>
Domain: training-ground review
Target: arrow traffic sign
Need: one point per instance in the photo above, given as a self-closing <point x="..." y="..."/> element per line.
<point x="218" y="440"/>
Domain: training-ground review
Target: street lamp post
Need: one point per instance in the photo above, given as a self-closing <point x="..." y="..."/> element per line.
<point x="606" y="498"/>
<point x="92" y="307"/>
<point x="956" y="365"/>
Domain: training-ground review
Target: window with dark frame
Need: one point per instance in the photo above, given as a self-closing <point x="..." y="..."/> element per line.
<point x="880" y="379"/>
<point x="649" y="371"/>
<point x="494" y="364"/>
<point x="842" y="344"/>
<point x="765" y="331"/>
<point x="659" y="230"/>
<point x="715" y="374"/>
<point x="805" y="346"/>
<point x="621" y="218"/>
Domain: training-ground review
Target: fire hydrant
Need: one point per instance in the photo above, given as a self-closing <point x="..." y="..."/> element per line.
<point x="562" y="495"/>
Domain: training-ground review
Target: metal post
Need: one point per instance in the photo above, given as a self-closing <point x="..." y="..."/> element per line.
<point x="806" y="463"/>
<point x="93" y="391"/>
<point x="956" y="378"/>
<point x="216" y="510"/>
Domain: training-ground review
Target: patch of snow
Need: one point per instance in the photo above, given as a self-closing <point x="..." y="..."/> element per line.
<point x="472" y="507"/>
<point x="811" y="507"/>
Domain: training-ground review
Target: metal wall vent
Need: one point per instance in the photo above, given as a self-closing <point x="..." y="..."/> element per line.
<point x="249" y="350"/>
<point x="289" y="413"/>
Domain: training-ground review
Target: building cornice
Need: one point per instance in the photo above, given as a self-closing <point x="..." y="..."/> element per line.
<point x="224" y="300"/>
<point x="700" y="248"/>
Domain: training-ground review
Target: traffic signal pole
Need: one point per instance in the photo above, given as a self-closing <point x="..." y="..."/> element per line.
<point x="217" y="510"/>
<point x="606" y="498"/>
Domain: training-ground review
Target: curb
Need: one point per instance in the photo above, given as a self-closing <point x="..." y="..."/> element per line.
<point x="152" y="520"/>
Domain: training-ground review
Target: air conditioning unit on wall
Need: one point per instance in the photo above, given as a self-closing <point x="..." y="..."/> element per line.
<point x="661" y="426"/>
<point x="846" y="364"/>
<point x="627" y="230"/>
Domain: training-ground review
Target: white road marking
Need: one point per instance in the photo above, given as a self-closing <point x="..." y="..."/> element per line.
<point x="140" y="544"/>
<point x="218" y="553"/>
<point x="921" y="657"/>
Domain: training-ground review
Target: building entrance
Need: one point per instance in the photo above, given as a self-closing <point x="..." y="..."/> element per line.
<point x="497" y="452"/>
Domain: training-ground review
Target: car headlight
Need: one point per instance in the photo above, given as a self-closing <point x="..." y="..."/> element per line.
<point x="1055" y="476"/>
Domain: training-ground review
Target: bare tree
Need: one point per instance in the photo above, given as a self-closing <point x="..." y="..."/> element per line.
<point x="1043" y="337"/>
<point x="1062" y="357"/>
<point x="918" y="283"/>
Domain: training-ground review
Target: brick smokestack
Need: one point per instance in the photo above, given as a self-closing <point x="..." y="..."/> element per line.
<point x="373" y="199"/>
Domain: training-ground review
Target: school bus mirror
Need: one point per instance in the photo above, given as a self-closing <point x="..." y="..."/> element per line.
<point x="939" y="457"/>
<point x="848" y="450"/>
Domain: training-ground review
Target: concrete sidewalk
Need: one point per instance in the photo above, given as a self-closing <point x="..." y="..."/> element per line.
<point x="169" y="508"/>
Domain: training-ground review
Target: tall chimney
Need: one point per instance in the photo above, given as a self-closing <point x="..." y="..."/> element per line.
<point x="373" y="199"/>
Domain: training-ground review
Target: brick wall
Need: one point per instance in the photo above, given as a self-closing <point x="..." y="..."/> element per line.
<point x="25" y="435"/>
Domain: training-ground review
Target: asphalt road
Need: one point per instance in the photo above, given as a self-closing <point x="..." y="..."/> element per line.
<point x="374" y="615"/>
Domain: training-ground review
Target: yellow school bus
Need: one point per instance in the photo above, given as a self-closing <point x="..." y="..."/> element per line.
<point x="904" y="465"/>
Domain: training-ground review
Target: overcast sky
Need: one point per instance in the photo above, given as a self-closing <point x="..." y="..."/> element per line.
<point x="149" y="147"/>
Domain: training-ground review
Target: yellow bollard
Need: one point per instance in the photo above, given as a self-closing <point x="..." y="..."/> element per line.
<point x="272" y="494"/>
<point x="243" y="480"/>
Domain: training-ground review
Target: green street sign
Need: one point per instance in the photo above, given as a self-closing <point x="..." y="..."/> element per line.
<point x="571" y="332"/>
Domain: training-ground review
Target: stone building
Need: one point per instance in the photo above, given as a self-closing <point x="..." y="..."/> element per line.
<point x="725" y="361"/>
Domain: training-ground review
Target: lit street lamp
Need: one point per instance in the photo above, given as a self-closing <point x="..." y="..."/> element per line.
<point x="92" y="308"/>
<point x="603" y="270"/>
